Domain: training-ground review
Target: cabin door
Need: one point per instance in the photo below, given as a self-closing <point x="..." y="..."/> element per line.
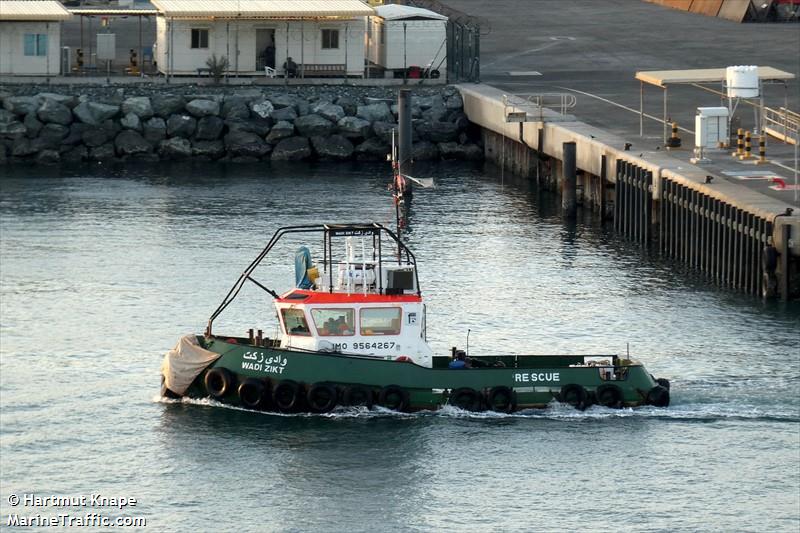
<point x="265" y="48"/>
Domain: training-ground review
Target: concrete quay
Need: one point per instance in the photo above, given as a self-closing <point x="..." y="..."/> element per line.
<point x="734" y="228"/>
<point x="741" y="238"/>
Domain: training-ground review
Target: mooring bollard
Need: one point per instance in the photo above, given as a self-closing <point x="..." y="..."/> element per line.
<point x="739" y="143"/>
<point x="674" y="141"/>
<point x="748" y="147"/>
<point x="762" y="150"/>
<point x="404" y="133"/>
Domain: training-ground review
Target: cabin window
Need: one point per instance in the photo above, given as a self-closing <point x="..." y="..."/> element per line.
<point x="199" y="38"/>
<point x="334" y="322"/>
<point x="380" y="321"/>
<point x="294" y="322"/>
<point x="330" y="39"/>
<point x="35" y="44"/>
<point x="383" y="33"/>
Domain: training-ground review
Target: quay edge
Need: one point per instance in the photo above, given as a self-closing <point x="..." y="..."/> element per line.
<point x="739" y="238"/>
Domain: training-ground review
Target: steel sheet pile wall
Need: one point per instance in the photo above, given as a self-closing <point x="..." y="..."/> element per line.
<point x="724" y="242"/>
<point x="633" y="204"/>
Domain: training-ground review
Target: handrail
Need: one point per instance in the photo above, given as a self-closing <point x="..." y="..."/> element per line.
<point x="782" y="122"/>
<point x="538" y="101"/>
<point x="309" y="228"/>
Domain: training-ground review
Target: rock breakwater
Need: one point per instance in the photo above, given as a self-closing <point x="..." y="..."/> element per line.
<point x="48" y="126"/>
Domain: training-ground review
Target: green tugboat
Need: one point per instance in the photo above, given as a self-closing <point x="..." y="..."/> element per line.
<point x="353" y="334"/>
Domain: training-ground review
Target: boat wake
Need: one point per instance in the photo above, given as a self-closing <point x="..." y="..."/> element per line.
<point x="702" y="412"/>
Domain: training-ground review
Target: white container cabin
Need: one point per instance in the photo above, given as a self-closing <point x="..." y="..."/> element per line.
<point x="30" y="37"/>
<point x="322" y="38"/>
<point x="403" y="36"/>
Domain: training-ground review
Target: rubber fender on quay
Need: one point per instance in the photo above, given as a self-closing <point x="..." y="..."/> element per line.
<point x="466" y="399"/>
<point x="609" y="395"/>
<point x="253" y="393"/>
<point x="321" y="397"/>
<point x="769" y="258"/>
<point x="501" y="399"/>
<point x="357" y="396"/>
<point x="286" y="396"/>
<point x="394" y="397"/>
<point x="658" y="396"/>
<point x="219" y="381"/>
<point x="574" y="395"/>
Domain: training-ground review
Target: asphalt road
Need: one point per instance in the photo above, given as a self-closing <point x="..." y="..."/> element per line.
<point x="593" y="48"/>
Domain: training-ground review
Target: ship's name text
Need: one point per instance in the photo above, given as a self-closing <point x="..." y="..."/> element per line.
<point x="259" y="362"/>
<point x="534" y="377"/>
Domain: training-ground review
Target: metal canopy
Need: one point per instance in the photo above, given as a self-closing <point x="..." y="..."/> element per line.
<point x="259" y="9"/>
<point x="663" y="78"/>
<point x="43" y="10"/>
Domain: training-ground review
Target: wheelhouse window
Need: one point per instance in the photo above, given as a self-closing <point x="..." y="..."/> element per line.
<point x="334" y="322"/>
<point x="380" y="321"/>
<point x="199" y="38"/>
<point x="294" y="322"/>
<point x="330" y="39"/>
<point x="35" y="44"/>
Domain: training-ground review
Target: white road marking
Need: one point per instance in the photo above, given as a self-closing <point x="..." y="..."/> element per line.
<point x="524" y="73"/>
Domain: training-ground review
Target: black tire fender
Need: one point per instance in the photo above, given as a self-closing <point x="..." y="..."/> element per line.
<point x="501" y="399"/>
<point x="609" y="395"/>
<point x="466" y="399"/>
<point x="394" y="397"/>
<point x="658" y="396"/>
<point x="253" y="393"/>
<point x="322" y="397"/>
<point x="358" y="396"/>
<point x="286" y="396"/>
<point x="219" y="382"/>
<point x="574" y="395"/>
<point x="663" y="382"/>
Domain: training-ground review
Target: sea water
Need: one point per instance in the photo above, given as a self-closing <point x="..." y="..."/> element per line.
<point x="103" y="268"/>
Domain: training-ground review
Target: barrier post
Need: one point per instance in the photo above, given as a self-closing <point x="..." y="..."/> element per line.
<point x="762" y="149"/>
<point x="739" y="143"/>
<point x="748" y="148"/>
<point x="674" y="141"/>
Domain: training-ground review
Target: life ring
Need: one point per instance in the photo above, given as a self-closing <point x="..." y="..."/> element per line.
<point x="286" y="396"/>
<point x="466" y="399"/>
<point x="658" y="396"/>
<point x="218" y="382"/>
<point x="609" y="395"/>
<point x="321" y="397"/>
<point x="574" y="395"/>
<point x="501" y="399"/>
<point x="394" y="398"/>
<point x="357" y="396"/>
<point x="253" y="393"/>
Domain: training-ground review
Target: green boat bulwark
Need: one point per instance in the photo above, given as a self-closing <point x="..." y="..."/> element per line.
<point x="353" y="334"/>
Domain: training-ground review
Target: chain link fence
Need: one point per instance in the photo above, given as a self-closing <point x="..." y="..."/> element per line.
<point x="463" y="40"/>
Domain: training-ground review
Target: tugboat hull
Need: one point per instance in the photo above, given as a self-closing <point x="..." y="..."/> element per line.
<point x="269" y="378"/>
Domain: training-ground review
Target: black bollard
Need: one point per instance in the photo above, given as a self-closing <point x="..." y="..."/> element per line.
<point x="569" y="204"/>
<point x="404" y="134"/>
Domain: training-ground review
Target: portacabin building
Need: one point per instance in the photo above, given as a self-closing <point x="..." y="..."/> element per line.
<point x="322" y="37"/>
<point x="30" y="37"/>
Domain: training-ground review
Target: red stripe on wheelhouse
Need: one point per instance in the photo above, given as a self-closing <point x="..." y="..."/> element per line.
<point x="315" y="297"/>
